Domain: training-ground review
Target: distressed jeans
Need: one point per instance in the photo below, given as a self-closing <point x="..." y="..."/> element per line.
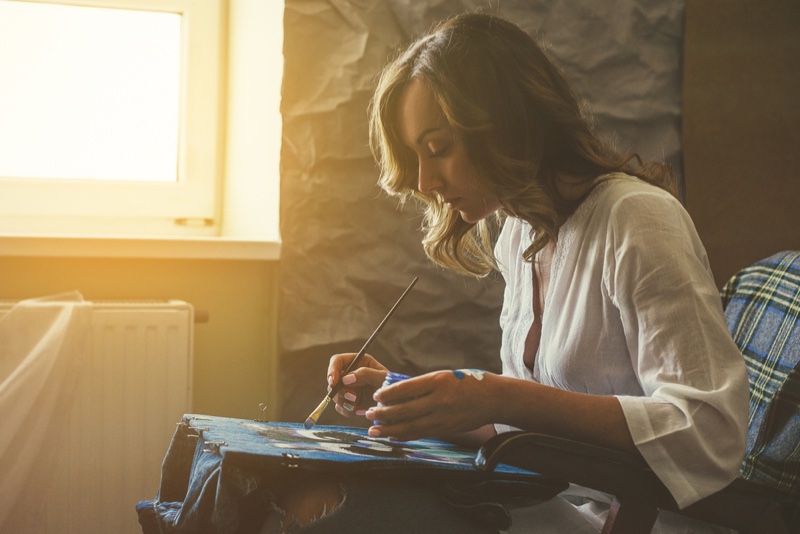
<point x="222" y="476"/>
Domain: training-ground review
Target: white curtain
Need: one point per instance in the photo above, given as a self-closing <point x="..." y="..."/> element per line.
<point x="43" y="347"/>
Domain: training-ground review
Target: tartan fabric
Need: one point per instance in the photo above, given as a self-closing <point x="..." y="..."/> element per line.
<point x="762" y="309"/>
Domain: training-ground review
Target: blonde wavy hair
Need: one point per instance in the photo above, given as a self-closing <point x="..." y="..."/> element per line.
<point x="520" y="123"/>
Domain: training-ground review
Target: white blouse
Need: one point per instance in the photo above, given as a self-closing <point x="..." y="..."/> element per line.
<point x="632" y="310"/>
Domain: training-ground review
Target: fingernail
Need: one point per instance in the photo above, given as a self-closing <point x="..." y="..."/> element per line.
<point x="348" y="379"/>
<point x="349" y="396"/>
<point x="374" y="432"/>
<point x="330" y="380"/>
<point x="361" y="412"/>
<point x="347" y="406"/>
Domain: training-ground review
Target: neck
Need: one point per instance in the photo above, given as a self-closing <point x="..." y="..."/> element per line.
<point x="573" y="188"/>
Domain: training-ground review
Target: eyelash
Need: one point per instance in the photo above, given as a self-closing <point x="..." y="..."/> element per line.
<point x="439" y="153"/>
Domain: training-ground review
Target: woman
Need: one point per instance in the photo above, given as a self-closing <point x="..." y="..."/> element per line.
<point x="613" y="331"/>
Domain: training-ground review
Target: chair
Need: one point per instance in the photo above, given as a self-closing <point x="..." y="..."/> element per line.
<point x="762" y="309"/>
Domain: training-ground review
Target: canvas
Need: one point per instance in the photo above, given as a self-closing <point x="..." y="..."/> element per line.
<point x="330" y="447"/>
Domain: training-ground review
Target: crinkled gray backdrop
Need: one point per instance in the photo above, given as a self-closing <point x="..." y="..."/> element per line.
<point x="349" y="251"/>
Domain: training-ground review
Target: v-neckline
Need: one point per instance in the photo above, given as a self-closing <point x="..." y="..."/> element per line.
<point x="540" y="283"/>
<point x="560" y="248"/>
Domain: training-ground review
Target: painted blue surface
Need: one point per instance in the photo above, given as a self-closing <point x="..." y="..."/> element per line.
<point x="292" y="444"/>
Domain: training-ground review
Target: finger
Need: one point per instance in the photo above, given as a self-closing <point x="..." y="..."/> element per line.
<point x="354" y="400"/>
<point x="405" y="390"/>
<point x="346" y="396"/>
<point x="413" y="410"/>
<point x="407" y="431"/>
<point x="426" y="426"/>
<point x="349" y="409"/>
<point x="336" y="365"/>
<point x="364" y="376"/>
<point x="346" y="409"/>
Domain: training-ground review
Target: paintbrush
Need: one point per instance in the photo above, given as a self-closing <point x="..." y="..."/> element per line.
<point x="314" y="417"/>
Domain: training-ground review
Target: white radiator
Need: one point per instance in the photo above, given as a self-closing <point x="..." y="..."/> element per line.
<point x="134" y="390"/>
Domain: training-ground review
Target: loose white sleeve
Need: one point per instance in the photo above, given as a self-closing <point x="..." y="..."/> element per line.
<point x="690" y="425"/>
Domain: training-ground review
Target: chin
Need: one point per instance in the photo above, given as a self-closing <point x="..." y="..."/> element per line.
<point x="472" y="218"/>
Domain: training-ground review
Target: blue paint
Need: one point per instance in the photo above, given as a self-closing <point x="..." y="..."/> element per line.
<point x="477" y="374"/>
<point x="390" y="379"/>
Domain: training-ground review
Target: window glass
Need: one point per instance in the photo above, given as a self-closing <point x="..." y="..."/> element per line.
<point x="89" y="93"/>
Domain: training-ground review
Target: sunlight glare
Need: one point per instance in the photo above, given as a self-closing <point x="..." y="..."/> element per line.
<point x="89" y="93"/>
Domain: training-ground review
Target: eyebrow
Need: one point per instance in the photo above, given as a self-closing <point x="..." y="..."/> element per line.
<point x="425" y="132"/>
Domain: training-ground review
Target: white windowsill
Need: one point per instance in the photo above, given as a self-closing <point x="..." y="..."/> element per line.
<point x="219" y="248"/>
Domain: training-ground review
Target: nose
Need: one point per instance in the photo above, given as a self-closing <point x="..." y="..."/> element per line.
<point x="429" y="179"/>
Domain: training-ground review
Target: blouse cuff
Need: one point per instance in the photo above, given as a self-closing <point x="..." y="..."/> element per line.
<point x="654" y="453"/>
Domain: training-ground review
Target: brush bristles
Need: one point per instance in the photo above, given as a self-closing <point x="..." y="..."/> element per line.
<point x="314" y="417"/>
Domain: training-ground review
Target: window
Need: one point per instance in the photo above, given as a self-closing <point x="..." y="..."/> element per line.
<point x="114" y="115"/>
<point x="115" y="112"/>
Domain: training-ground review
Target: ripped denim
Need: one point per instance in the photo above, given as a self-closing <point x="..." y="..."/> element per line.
<point x="215" y="480"/>
<point x="387" y="506"/>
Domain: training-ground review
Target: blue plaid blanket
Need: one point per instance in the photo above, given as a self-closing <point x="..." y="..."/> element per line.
<point x="762" y="308"/>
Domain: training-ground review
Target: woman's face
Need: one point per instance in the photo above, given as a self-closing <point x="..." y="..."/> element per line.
<point x="444" y="167"/>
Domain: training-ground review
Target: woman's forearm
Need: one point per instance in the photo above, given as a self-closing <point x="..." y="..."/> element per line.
<point x="595" y="419"/>
<point x="473" y="438"/>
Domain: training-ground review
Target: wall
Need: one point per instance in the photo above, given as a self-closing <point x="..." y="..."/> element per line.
<point x="742" y="128"/>
<point x="235" y="362"/>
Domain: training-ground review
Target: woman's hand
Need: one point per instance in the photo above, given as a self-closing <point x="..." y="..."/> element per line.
<point x="358" y="386"/>
<point x="443" y="404"/>
<point x="436" y="404"/>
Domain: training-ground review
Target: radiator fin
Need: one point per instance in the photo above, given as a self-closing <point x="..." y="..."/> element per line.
<point x="136" y="387"/>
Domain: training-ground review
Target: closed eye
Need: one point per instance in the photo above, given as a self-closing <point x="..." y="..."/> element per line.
<point x="439" y="152"/>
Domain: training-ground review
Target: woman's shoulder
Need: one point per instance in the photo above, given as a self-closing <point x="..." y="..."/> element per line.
<point x="616" y="186"/>
<point x="620" y="201"/>
<point x="618" y="193"/>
